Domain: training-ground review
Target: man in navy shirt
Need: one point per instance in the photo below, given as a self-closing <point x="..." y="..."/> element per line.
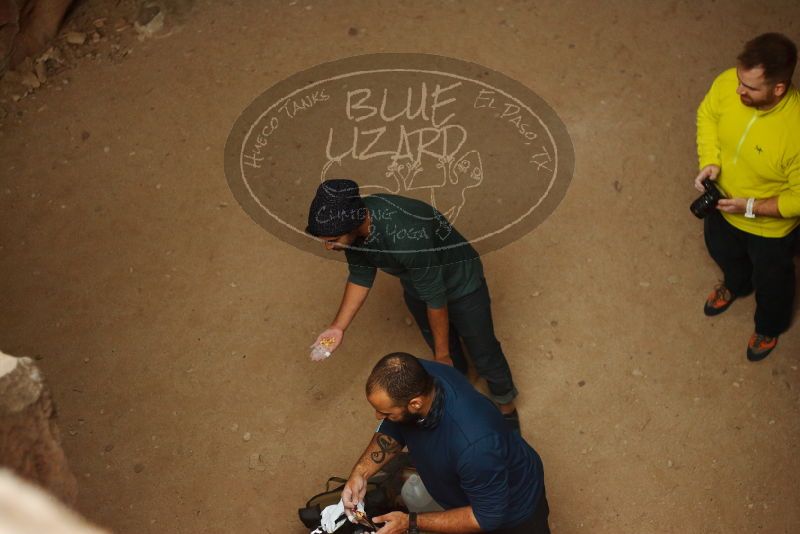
<point x="484" y="475"/>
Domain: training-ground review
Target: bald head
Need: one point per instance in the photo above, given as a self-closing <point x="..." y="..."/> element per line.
<point x="401" y="376"/>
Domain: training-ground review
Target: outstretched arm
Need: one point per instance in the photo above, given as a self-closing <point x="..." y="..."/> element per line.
<point x="352" y="300"/>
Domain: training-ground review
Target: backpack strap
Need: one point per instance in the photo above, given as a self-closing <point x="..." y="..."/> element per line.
<point x="339" y="480"/>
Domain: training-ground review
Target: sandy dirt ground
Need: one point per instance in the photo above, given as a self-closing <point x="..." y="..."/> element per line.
<point x="174" y="330"/>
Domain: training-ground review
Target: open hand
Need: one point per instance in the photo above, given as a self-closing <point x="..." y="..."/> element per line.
<point x="328" y="341"/>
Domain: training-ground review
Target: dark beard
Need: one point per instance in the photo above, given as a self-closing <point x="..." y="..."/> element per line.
<point x="757" y="104"/>
<point x="434" y="414"/>
<point x="409" y="419"/>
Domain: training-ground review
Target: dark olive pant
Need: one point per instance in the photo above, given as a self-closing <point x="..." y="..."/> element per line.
<point x="750" y="262"/>
<point x="471" y="321"/>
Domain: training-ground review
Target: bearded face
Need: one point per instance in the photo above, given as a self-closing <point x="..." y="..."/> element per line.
<point x="755" y="91"/>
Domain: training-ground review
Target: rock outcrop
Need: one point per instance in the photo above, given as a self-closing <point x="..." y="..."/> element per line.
<point x="30" y="444"/>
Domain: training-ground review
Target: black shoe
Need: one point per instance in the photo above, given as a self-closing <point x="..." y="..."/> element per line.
<point x="513" y="420"/>
<point x="760" y="346"/>
<point x="718" y="301"/>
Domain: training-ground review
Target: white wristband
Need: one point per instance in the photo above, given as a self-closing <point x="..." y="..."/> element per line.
<point x="748" y="212"/>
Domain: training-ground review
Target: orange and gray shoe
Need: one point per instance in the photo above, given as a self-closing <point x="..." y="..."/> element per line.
<point x="760" y="346"/>
<point x="718" y="301"/>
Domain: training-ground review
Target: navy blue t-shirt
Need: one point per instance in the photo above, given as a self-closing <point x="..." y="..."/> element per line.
<point x="471" y="457"/>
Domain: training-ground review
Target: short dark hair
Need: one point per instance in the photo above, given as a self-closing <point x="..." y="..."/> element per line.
<point x="775" y="53"/>
<point x="401" y="376"/>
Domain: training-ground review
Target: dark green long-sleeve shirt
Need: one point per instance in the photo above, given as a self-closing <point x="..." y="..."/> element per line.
<point x="413" y="241"/>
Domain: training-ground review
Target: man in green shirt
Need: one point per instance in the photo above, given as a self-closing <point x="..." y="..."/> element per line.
<point x="441" y="275"/>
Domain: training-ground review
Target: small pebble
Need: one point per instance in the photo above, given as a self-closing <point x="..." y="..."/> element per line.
<point x="138" y="468"/>
<point x="247" y="436"/>
<point x="255" y="462"/>
<point x="408" y="321"/>
<point x="30" y="80"/>
<point x="581" y="383"/>
<point x="75" y="38"/>
<point x="109" y="447"/>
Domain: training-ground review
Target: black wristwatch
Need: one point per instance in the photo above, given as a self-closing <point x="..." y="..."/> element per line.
<point x="412" y="523"/>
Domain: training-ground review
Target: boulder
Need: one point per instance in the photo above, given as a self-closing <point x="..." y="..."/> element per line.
<point x="30" y="442"/>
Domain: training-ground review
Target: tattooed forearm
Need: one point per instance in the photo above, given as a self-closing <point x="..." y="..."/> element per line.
<point x="387" y="445"/>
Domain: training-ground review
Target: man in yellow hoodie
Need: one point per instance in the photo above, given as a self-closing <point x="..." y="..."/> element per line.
<point x="748" y="142"/>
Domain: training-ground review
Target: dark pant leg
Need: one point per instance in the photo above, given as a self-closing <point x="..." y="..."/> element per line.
<point x="727" y="245"/>
<point x="419" y="310"/>
<point x="537" y="524"/>
<point x="472" y="317"/>
<point x="774" y="281"/>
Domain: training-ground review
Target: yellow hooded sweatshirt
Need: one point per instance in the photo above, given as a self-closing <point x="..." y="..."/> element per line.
<point x="758" y="153"/>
